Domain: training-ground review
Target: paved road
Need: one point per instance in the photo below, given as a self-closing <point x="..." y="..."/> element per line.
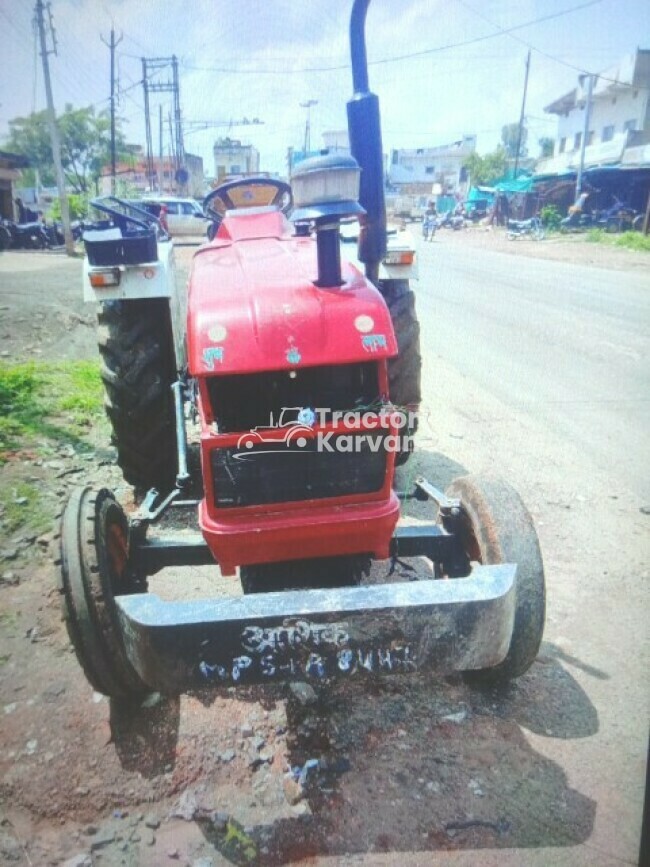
<point x="567" y="345"/>
<point x="538" y="370"/>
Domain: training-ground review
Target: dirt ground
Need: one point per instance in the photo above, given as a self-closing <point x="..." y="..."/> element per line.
<point x="557" y="247"/>
<point x="418" y="770"/>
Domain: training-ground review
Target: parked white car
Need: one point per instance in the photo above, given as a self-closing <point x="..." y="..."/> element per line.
<point x="184" y="216"/>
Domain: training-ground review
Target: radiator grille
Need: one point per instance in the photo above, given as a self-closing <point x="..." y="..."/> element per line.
<point x="244" y="401"/>
<point x="268" y="473"/>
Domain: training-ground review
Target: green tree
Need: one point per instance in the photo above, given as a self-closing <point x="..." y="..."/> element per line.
<point x="30" y="137"/>
<point x="77" y="205"/>
<point x="546" y="147"/>
<point x="510" y="137"/>
<point x="486" y="169"/>
<point x="85" y="144"/>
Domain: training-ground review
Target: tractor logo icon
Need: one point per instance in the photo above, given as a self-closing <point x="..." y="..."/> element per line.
<point x="294" y="425"/>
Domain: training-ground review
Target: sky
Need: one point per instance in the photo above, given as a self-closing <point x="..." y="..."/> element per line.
<point x="441" y="68"/>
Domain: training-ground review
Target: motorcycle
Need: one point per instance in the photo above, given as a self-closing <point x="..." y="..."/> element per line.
<point x="452" y="220"/>
<point x="56" y="236"/>
<point x="23" y="236"/>
<point x="520" y="228"/>
<point x="620" y="217"/>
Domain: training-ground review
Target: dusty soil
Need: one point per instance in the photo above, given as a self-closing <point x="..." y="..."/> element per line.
<point x="573" y="248"/>
<point x="406" y="769"/>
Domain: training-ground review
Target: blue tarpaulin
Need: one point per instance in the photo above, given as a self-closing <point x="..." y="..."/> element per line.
<point x="481" y="194"/>
<point x="512" y="185"/>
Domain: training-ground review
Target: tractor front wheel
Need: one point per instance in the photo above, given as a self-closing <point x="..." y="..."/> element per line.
<point x="496" y="527"/>
<point x="138" y="369"/>
<point x="95" y="569"/>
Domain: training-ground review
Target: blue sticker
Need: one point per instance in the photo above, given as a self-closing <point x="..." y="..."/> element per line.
<point x="374" y="342"/>
<point x="307" y="416"/>
<point x="293" y="356"/>
<point x="212" y="354"/>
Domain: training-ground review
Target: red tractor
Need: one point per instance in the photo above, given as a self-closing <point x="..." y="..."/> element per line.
<point x="303" y="375"/>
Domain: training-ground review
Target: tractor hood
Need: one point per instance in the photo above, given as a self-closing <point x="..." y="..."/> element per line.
<point x="253" y="304"/>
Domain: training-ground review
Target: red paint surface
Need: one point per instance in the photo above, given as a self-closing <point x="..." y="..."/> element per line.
<point x="256" y="281"/>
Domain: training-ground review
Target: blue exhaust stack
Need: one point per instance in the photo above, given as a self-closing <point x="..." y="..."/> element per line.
<point x="364" y="128"/>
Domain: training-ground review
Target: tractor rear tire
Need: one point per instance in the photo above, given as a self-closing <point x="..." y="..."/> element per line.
<point x="138" y="369"/>
<point x="324" y="572"/>
<point x="95" y="569"/>
<point x="405" y="370"/>
<point x="497" y="528"/>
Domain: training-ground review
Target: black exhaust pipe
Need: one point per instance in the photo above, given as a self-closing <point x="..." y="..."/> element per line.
<point x="364" y="129"/>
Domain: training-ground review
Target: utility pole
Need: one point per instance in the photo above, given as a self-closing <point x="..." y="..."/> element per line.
<point x="150" y="66"/>
<point x="308" y="104"/>
<point x="180" y="147"/>
<point x="112" y="45"/>
<point x="147" y="124"/>
<point x="51" y="119"/>
<point x="521" y="116"/>
<point x="172" y="153"/>
<point x="585" y="131"/>
<point x="160" y="155"/>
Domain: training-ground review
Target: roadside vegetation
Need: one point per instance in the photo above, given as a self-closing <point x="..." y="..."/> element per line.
<point x="551" y="218"/>
<point x="39" y="400"/>
<point x="628" y="240"/>
<point x="43" y="408"/>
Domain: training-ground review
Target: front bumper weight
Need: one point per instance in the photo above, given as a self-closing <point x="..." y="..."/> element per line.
<point x="442" y="625"/>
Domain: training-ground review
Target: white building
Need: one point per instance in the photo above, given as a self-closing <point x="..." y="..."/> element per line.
<point x="231" y="157"/>
<point x="337" y="141"/>
<point x="421" y="167"/>
<point x="619" y="118"/>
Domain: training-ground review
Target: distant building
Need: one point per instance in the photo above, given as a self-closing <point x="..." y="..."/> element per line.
<point x="165" y="175"/>
<point x="231" y="157"/>
<point x="619" y="122"/>
<point x="337" y="141"/>
<point x="416" y="170"/>
<point x="10" y="165"/>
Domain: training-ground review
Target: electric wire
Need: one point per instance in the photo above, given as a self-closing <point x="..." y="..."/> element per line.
<point x="508" y="32"/>
<point x="397" y="58"/>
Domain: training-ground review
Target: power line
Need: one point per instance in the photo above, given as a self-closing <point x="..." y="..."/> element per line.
<point x="508" y="32"/>
<point x="397" y="58"/>
<point x="17" y="29"/>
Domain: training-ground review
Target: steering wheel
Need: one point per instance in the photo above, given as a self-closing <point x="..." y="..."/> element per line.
<point x="247" y="193"/>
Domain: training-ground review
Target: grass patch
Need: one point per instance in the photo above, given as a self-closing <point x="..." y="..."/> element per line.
<point x="80" y="390"/>
<point x="597" y="236"/>
<point x="627" y="240"/>
<point x="9" y="618"/>
<point x="21" y="505"/>
<point x="633" y="241"/>
<point x="55" y="401"/>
